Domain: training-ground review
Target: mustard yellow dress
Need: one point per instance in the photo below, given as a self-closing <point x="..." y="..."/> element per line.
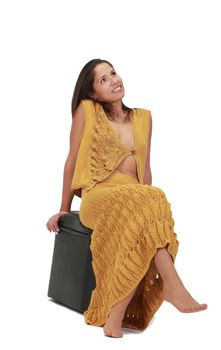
<point x="130" y="220"/>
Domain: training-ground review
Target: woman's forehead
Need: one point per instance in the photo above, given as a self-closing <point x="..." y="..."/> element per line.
<point x="101" y="69"/>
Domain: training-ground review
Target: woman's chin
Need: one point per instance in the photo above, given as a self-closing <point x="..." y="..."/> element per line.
<point x="117" y="97"/>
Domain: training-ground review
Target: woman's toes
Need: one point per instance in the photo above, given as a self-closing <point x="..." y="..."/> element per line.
<point x="199" y="307"/>
<point x="113" y="333"/>
<point x="107" y="332"/>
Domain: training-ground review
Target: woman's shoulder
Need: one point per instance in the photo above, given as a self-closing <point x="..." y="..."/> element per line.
<point x="88" y="106"/>
<point x="142" y="111"/>
<point x="87" y="102"/>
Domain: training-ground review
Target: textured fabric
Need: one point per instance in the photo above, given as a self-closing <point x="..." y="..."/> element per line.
<point x="130" y="221"/>
<point x="100" y="149"/>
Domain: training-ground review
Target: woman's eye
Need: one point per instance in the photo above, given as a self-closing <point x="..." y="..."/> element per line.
<point x="103" y="79"/>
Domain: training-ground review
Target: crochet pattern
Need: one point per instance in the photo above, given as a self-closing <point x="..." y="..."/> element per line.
<point x="132" y="222"/>
<point x="106" y="150"/>
<point x="101" y="151"/>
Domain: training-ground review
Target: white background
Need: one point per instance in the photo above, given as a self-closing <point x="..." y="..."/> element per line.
<point x="168" y="55"/>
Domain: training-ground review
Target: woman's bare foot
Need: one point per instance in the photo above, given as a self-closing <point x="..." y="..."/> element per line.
<point x="112" y="327"/>
<point x="173" y="288"/>
<point x="181" y="298"/>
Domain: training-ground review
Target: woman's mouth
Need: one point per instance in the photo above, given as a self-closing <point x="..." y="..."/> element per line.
<point x="118" y="88"/>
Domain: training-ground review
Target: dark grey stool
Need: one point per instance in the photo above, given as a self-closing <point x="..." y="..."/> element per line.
<point x="72" y="278"/>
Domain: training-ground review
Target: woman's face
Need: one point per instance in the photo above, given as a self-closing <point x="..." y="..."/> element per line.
<point x="108" y="86"/>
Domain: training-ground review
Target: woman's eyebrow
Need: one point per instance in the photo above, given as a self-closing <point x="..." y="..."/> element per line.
<point x="105" y="74"/>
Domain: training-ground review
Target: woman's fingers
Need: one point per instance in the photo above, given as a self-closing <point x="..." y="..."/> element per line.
<point x="48" y="227"/>
<point x="56" y="228"/>
<point x="52" y="224"/>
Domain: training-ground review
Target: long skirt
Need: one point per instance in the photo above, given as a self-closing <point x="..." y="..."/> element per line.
<point x="130" y="221"/>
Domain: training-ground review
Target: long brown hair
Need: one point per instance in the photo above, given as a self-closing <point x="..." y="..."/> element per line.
<point x="84" y="86"/>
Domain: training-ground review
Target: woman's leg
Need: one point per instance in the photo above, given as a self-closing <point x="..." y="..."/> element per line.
<point x="113" y="325"/>
<point x="173" y="288"/>
<point x="173" y="292"/>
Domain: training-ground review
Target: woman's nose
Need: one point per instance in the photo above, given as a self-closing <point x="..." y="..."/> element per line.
<point x="113" y="80"/>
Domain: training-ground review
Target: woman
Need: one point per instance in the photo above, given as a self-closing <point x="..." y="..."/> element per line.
<point x="133" y="243"/>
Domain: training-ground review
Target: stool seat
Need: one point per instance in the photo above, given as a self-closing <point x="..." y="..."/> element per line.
<point x="72" y="278"/>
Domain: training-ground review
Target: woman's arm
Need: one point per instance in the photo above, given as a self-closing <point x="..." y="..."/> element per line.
<point x="148" y="178"/>
<point x="76" y="133"/>
<point x="147" y="173"/>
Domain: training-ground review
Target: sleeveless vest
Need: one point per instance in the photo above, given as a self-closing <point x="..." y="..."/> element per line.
<point x="101" y="150"/>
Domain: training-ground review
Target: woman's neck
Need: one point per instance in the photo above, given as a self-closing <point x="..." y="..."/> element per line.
<point x="117" y="114"/>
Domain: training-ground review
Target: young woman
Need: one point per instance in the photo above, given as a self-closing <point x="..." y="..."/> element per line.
<point x="133" y="243"/>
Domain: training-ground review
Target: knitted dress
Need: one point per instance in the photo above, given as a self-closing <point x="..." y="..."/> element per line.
<point x="130" y="220"/>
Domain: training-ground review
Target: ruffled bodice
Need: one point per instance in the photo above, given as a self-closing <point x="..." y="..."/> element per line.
<point x="105" y="149"/>
<point x="101" y="151"/>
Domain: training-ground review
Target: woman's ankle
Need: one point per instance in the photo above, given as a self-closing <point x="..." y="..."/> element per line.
<point x="173" y="284"/>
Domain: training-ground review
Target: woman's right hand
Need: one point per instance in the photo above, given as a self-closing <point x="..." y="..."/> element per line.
<point x="52" y="224"/>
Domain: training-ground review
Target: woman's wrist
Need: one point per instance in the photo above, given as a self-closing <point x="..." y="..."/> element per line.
<point x="63" y="212"/>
